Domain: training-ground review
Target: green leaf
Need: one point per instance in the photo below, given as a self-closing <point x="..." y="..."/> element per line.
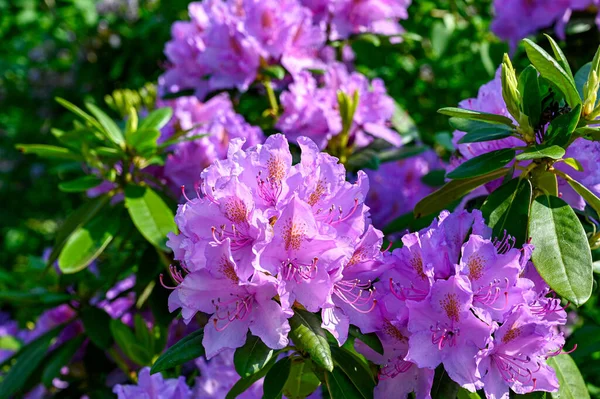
<point x="144" y="141"/>
<point x="152" y="217"/>
<point x="485" y="134"/>
<point x="143" y="335"/>
<point x="356" y="371"/>
<point x="302" y="380"/>
<point x="307" y="334"/>
<point x="571" y="383"/>
<point x="183" y="139"/>
<point x="468" y="125"/>
<point x="127" y="341"/>
<point x="244" y="383"/>
<point x="80" y="184"/>
<point x="483" y="164"/>
<point x="49" y="151"/>
<point x="276" y="378"/>
<point x="435" y="178"/>
<point x="365" y="159"/>
<point x="180" y="93"/>
<point x="339" y="385"/>
<point x="590" y="133"/>
<point x="132" y="122"/>
<point x="10" y="343"/>
<point x="404" y="124"/>
<point x="550" y="69"/>
<point x="547" y="183"/>
<point x="188" y="348"/>
<point x="74" y="221"/>
<point x="572" y="162"/>
<point x="252" y="357"/>
<point x="530" y="91"/>
<point x="562" y="253"/>
<point x="507" y="209"/>
<point x="96" y="323"/>
<point x="476" y="115"/>
<point x="28" y="359"/>
<point x="156" y="119"/>
<point x="560" y="56"/>
<point x="59" y="358"/>
<point x="369" y="38"/>
<point x="88" y="241"/>
<point x="79" y="112"/>
<point x="587" y="195"/>
<point x="371" y="339"/>
<point x="443" y="386"/>
<point x="464" y="394"/>
<point x="21" y="298"/>
<point x="581" y="77"/>
<point x="274" y="71"/>
<point x="453" y="191"/>
<point x="109" y="127"/>
<point x="541" y="151"/>
<point x="561" y="128"/>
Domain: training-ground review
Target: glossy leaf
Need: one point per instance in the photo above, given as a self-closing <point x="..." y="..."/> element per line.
<point x="562" y="253"/>
<point x="483" y="164"/>
<point x="307" y="334"/>
<point x="127" y="341"/>
<point x="371" y="339"/>
<point x="356" y="371"/>
<point x="572" y="162"/>
<point x="156" y="119"/>
<point x="276" y="378"/>
<point x="562" y="127"/>
<point x="80" y="184"/>
<point x="581" y="77"/>
<point x="37" y="298"/>
<point x="60" y="358"/>
<point x="96" y="323"/>
<point x="560" y="56"/>
<point x="49" y="151"/>
<point x="88" y="241"/>
<point x="550" y="69"/>
<point x="109" y="127"/>
<point x="476" y="115"/>
<point x="252" y="357"/>
<point x="244" y="383"/>
<point x="453" y="191"/>
<point x="485" y="134"/>
<point x="79" y="112"/>
<point x="144" y="141"/>
<point x="507" y="209"/>
<point x="572" y="385"/>
<point x="339" y="385"/>
<point x="547" y="183"/>
<point x="530" y="90"/>
<point x="587" y="195"/>
<point x="538" y="152"/>
<point x="464" y="394"/>
<point x="468" y="125"/>
<point x="591" y="133"/>
<point x="150" y="214"/>
<point x="302" y="380"/>
<point x="188" y="348"/>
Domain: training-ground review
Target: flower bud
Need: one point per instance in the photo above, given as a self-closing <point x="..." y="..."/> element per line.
<point x="510" y="90"/>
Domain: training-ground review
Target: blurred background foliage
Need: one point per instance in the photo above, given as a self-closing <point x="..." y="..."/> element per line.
<point x="82" y="50"/>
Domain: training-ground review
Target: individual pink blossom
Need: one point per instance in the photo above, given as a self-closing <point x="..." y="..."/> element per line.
<point x="154" y="387"/>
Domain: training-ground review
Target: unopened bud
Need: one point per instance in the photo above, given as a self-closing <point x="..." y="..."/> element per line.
<point x="510" y="90"/>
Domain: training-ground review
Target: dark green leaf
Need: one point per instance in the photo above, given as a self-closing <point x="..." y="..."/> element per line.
<point x="453" y="191"/>
<point x="572" y="385"/>
<point x="152" y="217"/>
<point x="302" y="380"/>
<point x="307" y="334"/>
<point x="49" y="151"/>
<point x="109" y="127"/>
<point x="562" y="253"/>
<point x="468" y="125"/>
<point x="485" y="134"/>
<point x="340" y="386"/>
<point x="365" y="159"/>
<point x="560" y="56"/>
<point x="561" y="128"/>
<point x="581" y="77"/>
<point x="587" y="195"/>
<point x="538" y="152"/>
<point x="97" y="326"/>
<point x="443" y="386"/>
<point x="550" y="69"/>
<point x="530" y="91"/>
<point x="483" y="164"/>
<point x="143" y="335"/>
<point x="156" y="119"/>
<point x="404" y="124"/>
<point x="88" y="241"/>
<point x="244" y="383"/>
<point x="127" y="341"/>
<point x="476" y="115"/>
<point x="274" y="71"/>
<point x="188" y="348"/>
<point x="356" y="371"/>
<point x="435" y="178"/>
<point x="252" y="357"/>
<point x="21" y="298"/>
<point x="181" y="93"/>
<point x="80" y="184"/>
<point x="79" y="112"/>
<point x="276" y="378"/>
<point x="507" y="209"/>
<point x="371" y="339"/>
<point x="60" y="358"/>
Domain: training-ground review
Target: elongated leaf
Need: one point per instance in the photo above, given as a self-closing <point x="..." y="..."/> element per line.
<point x="126" y="340"/>
<point x="302" y="380"/>
<point x="572" y="162"/>
<point x="538" y="152"/>
<point x="80" y="184"/>
<point x="547" y="183"/>
<point x="152" y="217"/>
<point x="252" y="357"/>
<point x="79" y="112"/>
<point x="28" y="359"/>
<point x="49" y="151"/>
<point x="561" y="128"/>
<point x="244" y="383"/>
<point x="59" y="358"/>
<point x="530" y="90"/>
<point x="307" y="334"/>
<point x="464" y="394"/>
<point x="507" y="209"/>
<point x="339" y="385"/>
<point x="443" y="386"/>
<point x="21" y="298"/>
<point x="483" y="164"/>
<point x="109" y="127"/>
<point x="75" y="220"/>
<point x="144" y="141"/>
<point x="560" y="56"/>
<point x="356" y="371"/>
<point x="485" y="134"/>
<point x="572" y="385"/>
<point x="276" y="378"/>
<point x="468" y="125"/>
<point x="96" y="323"/>
<point x="88" y="241"/>
<point x="562" y="253"/>
<point x="587" y="195"/>
<point x="590" y="133"/>
<point x="581" y="77"/>
<point x="550" y="69"/>
<point x="476" y="115"/>
<point x="156" y="119"/>
<point x="371" y="339"/>
<point x="273" y="71"/>
<point x="453" y="191"/>
<point x="188" y="348"/>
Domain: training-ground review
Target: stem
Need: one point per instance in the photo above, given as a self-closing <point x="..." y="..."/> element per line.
<point x="272" y="98"/>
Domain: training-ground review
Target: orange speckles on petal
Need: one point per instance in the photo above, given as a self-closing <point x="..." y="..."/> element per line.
<point x="293" y="235"/>
<point x="451" y="306"/>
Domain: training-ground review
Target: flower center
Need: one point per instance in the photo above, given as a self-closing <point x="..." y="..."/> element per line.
<point x="236" y="308"/>
<point x="475" y="265"/>
<point x="293" y="235"/>
<point x="450" y="304"/>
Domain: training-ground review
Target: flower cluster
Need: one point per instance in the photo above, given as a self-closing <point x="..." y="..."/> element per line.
<point x="311" y="110"/>
<point x="489" y="99"/>
<point x="452" y="295"/>
<point x="396" y="187"/>
<point x="515" y="19"/>
<point x="263" y="228"/>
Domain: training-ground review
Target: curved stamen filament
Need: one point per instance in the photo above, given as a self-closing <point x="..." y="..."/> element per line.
<point x="505" y="244"/>
<point x="346" y="291"/>
<point x="442" y="335"/>
<point x="407" y="293"/>
<point x="392" y="370"/>
<point x="299" y="272"/>
<point x="242" y="306"/>
<point x="341" y="219"/>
